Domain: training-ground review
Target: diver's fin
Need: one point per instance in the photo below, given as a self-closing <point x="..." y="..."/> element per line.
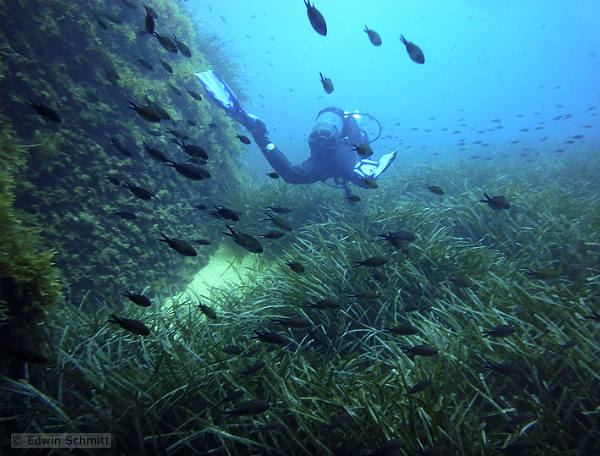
<point x="220" y="92"/>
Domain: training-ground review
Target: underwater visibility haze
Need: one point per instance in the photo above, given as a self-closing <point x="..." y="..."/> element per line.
<point x="301" y="228"/>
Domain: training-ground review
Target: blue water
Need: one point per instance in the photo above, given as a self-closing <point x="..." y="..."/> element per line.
<point x="523" y="62"/>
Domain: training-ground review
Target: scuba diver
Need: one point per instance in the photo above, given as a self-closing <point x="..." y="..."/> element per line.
<point x="333" y="143"/>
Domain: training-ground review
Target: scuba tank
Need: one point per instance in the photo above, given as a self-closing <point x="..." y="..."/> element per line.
<point x="325" y="134"/>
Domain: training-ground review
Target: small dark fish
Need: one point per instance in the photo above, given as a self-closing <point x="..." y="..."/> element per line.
<point x="146" y="64"/>
<point x="279" y="210"/>
<point x="279" y="222"/>
<point x="250" y="243"/>
<point x="125" y="215"/>
<point x="192" y="150"/>
<point x="275" y="234"/>
<point x="353" y="198"/>
<point x="399" y="240"/>
<point x="569" y="344"/>
<point x="167" y="43"/>
<point x="544" y="138"/>
<point x="134" y="326"/>
<point x="273" y="175"/>
<point x="324" y="304"/>
<point x="179" y="134"/>
<point x="202" y="241"/>
<point x="594" y="316"/>
<point x="193" y="123"/>
<point x="460" y="282"/>
<point x="140" y="192"/>
<point x="248" y="408"/>
<point x="120" y="147"/>
<point x="111" y="75"/>
<point x="44" y="111"/>
<point x="175" y="90"/>
<point x="364" y="150"/>
<point x="130" y="4"/>
<point x="500" y="331"/>
<point x="201" y="207"/>
<point x="327" y="84"/>
<point x="168" y="68"/>
<point x="507" y="369"/>
<point x="364" y="295"/>
<point x="369" y="182"/>
<point x="254" y="368"/>
<point x="316" y="19"/>
<point x="181" y="247"/>
<point x="270" y="337"/>
<point x="226" y="213"/>
<point x="213" y="125"/>
<point x="435" y="189"/>
<point x="197" y="161"/>
<point x="497" y="203"/>
<point x="405" y="329"/>
<point x="99" y="21"/>
<point x="372" y="262"/>
<point x="155" y="153"/>
<point x="243" y="139"/>
<point x="138" y="299"/>
<point x="414" y="52"/>
<point x="145" y="112"/>
<point x="421" y="350"/>
<point x="293" y="322"/>
<point x="373" y="36"/>
<point x="421" y="386"/>
<point x="208" y="311"/>
<point x="149" y="19"/>
<point x="295" y="266"/>
<point x="22" y="354"/>
<point x="379" y="276"/>
<point x="182" y="47"/>
<point x="545" y="273"/>
<point x="194" y="95"/>
<point x="114" y="180"/>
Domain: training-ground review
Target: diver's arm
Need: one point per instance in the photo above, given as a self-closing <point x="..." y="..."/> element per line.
<point x="224" y="97"/>
<point x="292" y="174"/>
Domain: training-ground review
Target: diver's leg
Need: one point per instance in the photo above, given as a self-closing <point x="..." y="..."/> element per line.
<point x="224" y="97"/>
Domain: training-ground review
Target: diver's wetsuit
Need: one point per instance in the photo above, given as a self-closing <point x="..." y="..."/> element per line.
<point x="331" y="142"/>
<point x="332" y="152"/>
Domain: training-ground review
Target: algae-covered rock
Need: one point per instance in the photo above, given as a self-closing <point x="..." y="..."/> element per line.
<point x="86" y="69"/>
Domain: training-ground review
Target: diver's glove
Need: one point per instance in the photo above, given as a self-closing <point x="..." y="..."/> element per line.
<point x="257" y="128"/>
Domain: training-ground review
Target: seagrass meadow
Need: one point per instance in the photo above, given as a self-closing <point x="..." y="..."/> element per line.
<point x="340" y="383"/>
<point x="414" y="319"/>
